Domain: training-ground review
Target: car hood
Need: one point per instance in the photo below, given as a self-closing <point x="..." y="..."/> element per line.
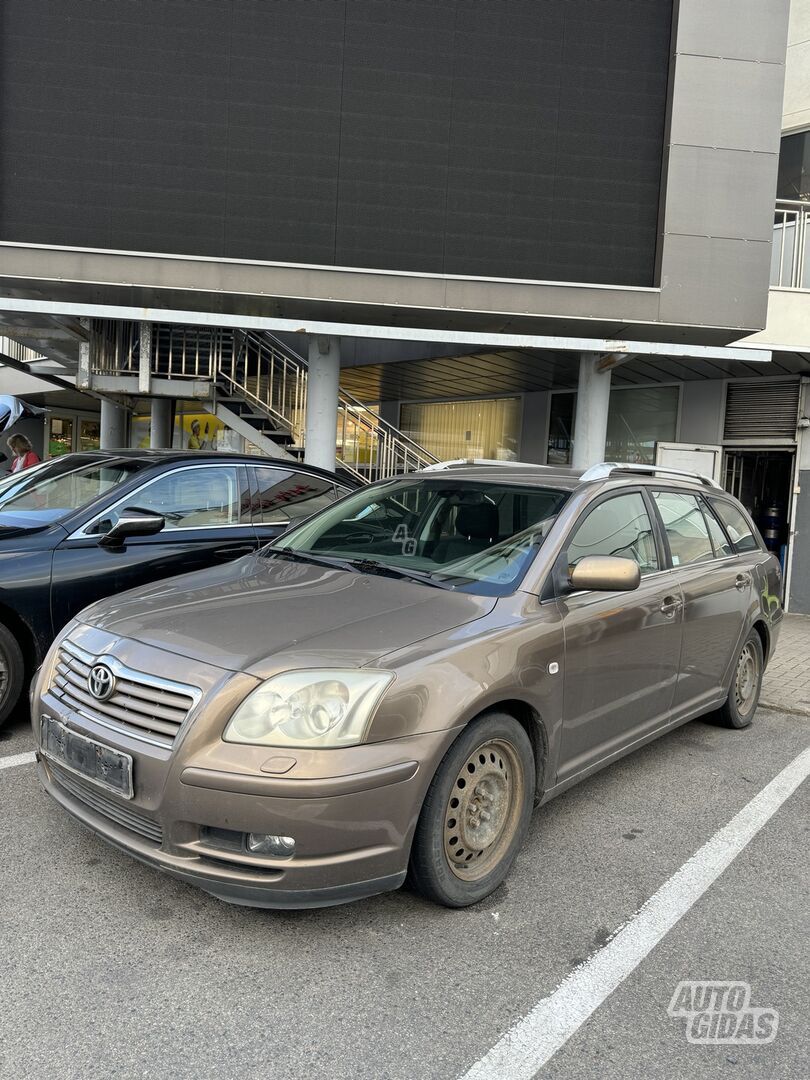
<point x="243" y="615"/>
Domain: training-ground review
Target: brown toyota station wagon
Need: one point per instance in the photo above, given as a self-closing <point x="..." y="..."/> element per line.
<point x="389" y="689"/>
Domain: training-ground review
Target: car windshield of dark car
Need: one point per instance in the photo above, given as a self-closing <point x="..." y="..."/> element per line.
<point x="467" y="535"/>
<point x="52" y="491"/>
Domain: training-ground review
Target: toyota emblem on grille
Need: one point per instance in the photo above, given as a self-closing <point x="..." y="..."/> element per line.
<point x="101" y="682"/>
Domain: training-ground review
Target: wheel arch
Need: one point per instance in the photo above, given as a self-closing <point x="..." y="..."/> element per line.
<point x="761" y="627"/>
<point x="532" y="723"/>
<point x="24" y="635"/>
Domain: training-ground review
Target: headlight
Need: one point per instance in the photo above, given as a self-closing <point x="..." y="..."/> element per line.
<point x="309" y="708"/>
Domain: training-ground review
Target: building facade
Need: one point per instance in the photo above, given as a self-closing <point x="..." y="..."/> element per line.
<point x="534" y="229"/>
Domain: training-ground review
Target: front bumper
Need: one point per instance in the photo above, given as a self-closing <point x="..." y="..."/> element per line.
<point x="352" y="832"/>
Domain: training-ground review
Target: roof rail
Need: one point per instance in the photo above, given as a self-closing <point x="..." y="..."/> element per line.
<point x="606" y="468"/>
<point x="454" y="463"/>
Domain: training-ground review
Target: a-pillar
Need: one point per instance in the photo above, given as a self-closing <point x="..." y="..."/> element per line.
<point x="160" y="435"/>
<point x="323" y="380"/>
<point x="590" y="422"/>
<point x="113" y="425"/>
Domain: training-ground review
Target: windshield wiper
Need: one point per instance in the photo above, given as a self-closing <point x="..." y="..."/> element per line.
<point x="371" y="566"/>
<point x="306" y="557"/>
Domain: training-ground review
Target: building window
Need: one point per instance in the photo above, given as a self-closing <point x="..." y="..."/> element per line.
<point x="794" y="167"/>
<point x="638" y="418"/>
<point x="465" y="429"/>
<point x="561" y="429"/>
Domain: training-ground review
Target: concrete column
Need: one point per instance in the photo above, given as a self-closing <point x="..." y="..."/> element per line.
<point x="590" y="422"/>
<point x="113" y="425"/>
<point x="323" y="381"/>
<point x="160" y="437"/>
<point x="145" y="358"/>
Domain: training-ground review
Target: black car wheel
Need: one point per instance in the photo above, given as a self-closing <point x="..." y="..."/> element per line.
<point x="12" y="672"/>
<point x="476" y="813"/>
<point x="746" y="683"/>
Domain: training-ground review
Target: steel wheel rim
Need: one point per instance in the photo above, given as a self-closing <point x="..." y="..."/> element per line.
<point x="746" y="680"/>
<point x="483" y="809"/>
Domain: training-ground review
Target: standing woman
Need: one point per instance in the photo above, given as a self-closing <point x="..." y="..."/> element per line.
<point x="23" y="451"/>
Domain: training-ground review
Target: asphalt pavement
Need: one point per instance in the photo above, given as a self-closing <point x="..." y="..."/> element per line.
<point x="110" y="969"/>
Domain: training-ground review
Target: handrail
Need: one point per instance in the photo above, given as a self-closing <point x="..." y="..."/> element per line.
<point x="374" y="419"/>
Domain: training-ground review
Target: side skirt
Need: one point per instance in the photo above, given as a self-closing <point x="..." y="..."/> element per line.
<point x="670" y="725"/>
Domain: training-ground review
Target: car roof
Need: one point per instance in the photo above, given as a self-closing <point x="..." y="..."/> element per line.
<point x="171" y="457"/>
<point x="539" y="475"/>
<point x="569" y="479"/>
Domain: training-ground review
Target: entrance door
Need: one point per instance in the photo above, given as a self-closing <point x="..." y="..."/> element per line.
<point x="763" y="482"/>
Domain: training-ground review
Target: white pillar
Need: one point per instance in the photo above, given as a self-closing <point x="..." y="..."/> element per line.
<point x="323" y="380"/>
<point x="113" y="425"/>
<point x="590" y="423"/>
<point x="160" y="437"/>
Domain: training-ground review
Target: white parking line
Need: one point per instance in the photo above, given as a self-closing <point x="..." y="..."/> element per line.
<point x="17" y="759"/>
<point x="526" y="1047"/>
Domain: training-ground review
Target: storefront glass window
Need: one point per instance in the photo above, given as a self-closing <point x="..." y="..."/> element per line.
<point x="89" y="434"/>
<point x="561" y="428"/>
<point x="60" y="436"/>
<point x="465" y="429"/>
<point x="639" y="417"/>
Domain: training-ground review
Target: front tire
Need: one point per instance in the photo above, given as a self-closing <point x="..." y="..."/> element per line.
<point x="476" y="813"/>
<point x="12" y="673"/>
<point x="746" y="683"/>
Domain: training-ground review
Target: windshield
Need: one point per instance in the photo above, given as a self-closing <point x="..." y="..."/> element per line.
<point x="53" y="490"/>
<point x="466" y="535"/>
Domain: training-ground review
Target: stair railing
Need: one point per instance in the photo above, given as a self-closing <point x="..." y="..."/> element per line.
<point x="367" y="445"/>
<point x="269" y="376"/>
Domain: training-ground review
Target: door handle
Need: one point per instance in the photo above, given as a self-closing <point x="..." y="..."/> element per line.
<point x="742" y="581"/>
<point x="670" y="605"/>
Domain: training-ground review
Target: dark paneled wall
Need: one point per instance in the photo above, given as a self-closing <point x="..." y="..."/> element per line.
<point x="503" y="138"/>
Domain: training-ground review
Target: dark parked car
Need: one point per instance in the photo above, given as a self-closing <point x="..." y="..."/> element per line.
<point x="86" y="526"/>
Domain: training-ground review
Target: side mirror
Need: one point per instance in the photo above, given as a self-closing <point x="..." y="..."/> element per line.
<point x="605" y="573"/>
<point x="133" y="522"/>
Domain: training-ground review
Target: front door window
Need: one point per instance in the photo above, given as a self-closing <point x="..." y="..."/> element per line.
<point x="200" y="498"/>
<point x="618" y="526"/>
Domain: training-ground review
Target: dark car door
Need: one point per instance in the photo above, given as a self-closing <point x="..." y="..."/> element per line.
<point x="717" y="590"/>
<point x="207" y="514"/>
<point x="621" y="648"/>
<point x="282" y="497"/>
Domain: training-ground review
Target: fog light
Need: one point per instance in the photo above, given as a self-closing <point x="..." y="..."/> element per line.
<point x="267" y="844"/>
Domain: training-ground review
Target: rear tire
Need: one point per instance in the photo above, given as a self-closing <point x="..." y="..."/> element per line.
<point x="476" y="813"/>
<point x="746" y="683"/>
<point x="12" y="673"/>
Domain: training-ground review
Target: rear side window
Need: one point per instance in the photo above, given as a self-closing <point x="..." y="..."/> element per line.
<point x="736" y="525"/>
<point x="618" y="526"/>
<point x="719" y="539"/>
<point x="686" y="528"/>
<point x="284" y="496"/>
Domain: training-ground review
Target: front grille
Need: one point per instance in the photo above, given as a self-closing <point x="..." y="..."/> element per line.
<point x="107" y="805"/>
<point x="142" y="705"/>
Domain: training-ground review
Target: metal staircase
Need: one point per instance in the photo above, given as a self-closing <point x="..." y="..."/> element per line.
<point x="257" y="385"/>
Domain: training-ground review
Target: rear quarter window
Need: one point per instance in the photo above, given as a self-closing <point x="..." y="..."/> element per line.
<point x="738" y="527"/>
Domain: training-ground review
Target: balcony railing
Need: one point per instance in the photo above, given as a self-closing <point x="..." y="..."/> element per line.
<point x="790" y="267"/>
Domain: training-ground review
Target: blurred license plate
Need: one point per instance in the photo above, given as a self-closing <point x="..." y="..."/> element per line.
<point x="86" y="757"/>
